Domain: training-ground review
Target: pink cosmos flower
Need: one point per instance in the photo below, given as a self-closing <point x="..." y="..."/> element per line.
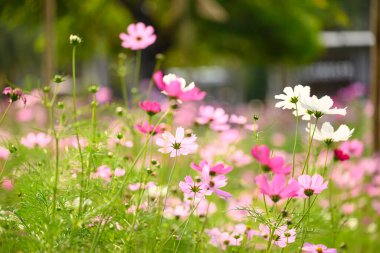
<point x="239" y="158"/>
<point x="275" y="164"/>
<point x="177" y="145"/>
<point x="7" y="184"/>
<point x="214" y="183"/>
<point x="353" y="148"/>
<point x="145" y="128"/>
<point x="277" y="189"/>
<point x="104" y="172"/>
<point x="14" y="94"/>
<point x="139" y="36"/>
<point x="193" y="189"/>
<point x="223" y="239"/>
<point x="104" y="95"/>
<point x="175" y="87"/>
<point x="316" y="248"/>
<point x="311" y="185"/>
<point x="216" y="118"/>
<point x="175" y="208"/>
<point x="237" y="119"/>
<point x="36" y="140"/>
<point x="150" y="107"/>
<point x="218" y="168"/>
<point x="4" y="153"/>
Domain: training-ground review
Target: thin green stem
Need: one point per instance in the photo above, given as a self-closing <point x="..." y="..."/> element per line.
<point x="309" y="148"/>
<point x="295" y="141"/>
<point x="5" y="113"/>
<point x="137" y="75"/>
<point x="75" y="114"/>
<point x="325" y="166"/>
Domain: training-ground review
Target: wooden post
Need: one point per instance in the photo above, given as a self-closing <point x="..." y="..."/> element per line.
<point x="375" y="73"/>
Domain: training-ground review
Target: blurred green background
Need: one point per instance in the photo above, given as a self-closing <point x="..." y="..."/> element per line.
<point x="247" y="38"/>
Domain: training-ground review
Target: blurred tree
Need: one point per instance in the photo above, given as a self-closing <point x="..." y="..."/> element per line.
<point x="190" y="32"/>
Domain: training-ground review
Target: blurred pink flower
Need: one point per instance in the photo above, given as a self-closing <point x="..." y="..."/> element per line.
<point x="104" y="172"/>
<point x="139" y="36"/>
<point x="119" y="172"/>
<point x="176" y="88"/>
<point x="311" y="185"/>
<point x="237" y="119"/>
<point x="216" y="118"/>
<point x="275" y="164"/>
<point x="7" y="184"/>
<point x="104" y="95"/>
<point x="4" y="153"/>
<point x="177" y="145"/>
<point x="278" y="188"/>
<point x="205" y="208"/>
<point x="239" y="158"/>
<point x="145" y="128"/>
<point x="278" y="139"/>
<point x="353" y="148"/>
<point x="150" y="107"/>
<point x="316" y="248"/>
<point x="218" y="168"/>
<point x="36" y="140"/>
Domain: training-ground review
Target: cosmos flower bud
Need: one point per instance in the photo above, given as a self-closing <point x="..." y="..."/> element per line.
<point x="75" y="40"/>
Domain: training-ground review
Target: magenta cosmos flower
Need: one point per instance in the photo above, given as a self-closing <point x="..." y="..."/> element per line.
<point x="216" y="118"/>
<point x="139" y="36"/>
<point x="177" y="145"/>
<point x="311" y="185"/>
<point x="275" y="164"/>
<point x="150" y="107"/>
<point x="36" y="140"/>
<point x="277" y="189"/>
<point x="218" y="168"/>
<point x="316" y="248"/>
<point x="214" y="183"/>
<point x="146" y="128"/>
<point x="193" y="189"/>
<point x="176" y="88"/>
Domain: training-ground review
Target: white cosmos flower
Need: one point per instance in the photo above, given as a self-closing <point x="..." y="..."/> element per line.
<point x="292" y="96"/>
<point x="178" y="145"/>
<point x="328" y="135"/>
<point x="320" y="106"/>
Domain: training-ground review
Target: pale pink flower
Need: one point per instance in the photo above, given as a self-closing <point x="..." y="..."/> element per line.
<point x="216" y="118"/>
<point x="223" y="239"/>
<point x="238" y="119"/>
<point x="316" y="248"/>
<point x="134" y="187"/>
<point x="139" y="36"/>
<point x="150" y="107"/>
<point x="205" y="208"/>
<point x="103" y="95"/>
<point x="278" y="139"/>
<point x="176" y="208"/>
<point x="7" y="184"/>
<point x="104" y="172"/>
<point x="4" y="153"/>
<point x="238" y="208"/>
<point x="214" y="183"/>
<point x="352" y="148"/>
<point x="119" y="172"/>
<point x="277" y="188"/>
<point x="275" y="164"/>
<point x="176" y="88"/>
<point x="311" y="185"/>
<point x="218" y="168"/>
<point x="281" y="236"/>
<point x="36" y="140"/>
<point x="177" y="145"/>
<point x="239" y="158"/>
<point x="193" y="189"/>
